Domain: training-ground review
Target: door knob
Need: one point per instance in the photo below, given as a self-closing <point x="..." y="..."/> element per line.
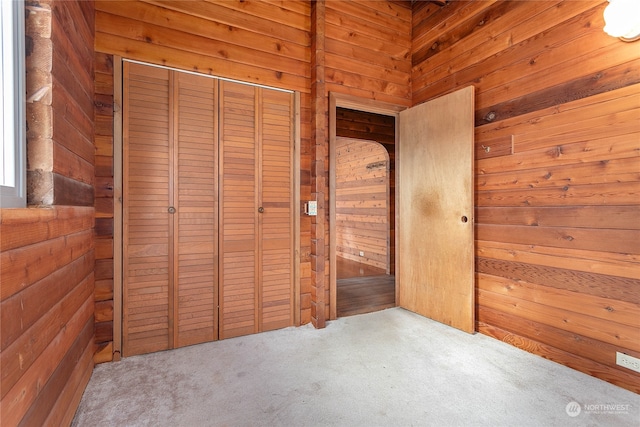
<point x="261" y="209"/>
<point x="171" y="210"/>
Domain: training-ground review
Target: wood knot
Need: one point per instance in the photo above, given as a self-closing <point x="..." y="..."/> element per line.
<point x="609" y="309"/>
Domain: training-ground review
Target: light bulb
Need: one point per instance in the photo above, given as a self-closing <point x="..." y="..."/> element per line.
<point x="622" y="19"/>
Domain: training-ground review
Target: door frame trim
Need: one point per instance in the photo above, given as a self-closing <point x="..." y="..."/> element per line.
<point x="370" y="106"/>
<point x="118" y="97"/>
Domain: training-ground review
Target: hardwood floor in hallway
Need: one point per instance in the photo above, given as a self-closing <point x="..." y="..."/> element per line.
<point x="362" y="288"/>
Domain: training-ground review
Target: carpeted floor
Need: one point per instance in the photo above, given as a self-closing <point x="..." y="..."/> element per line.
<point x="390" y="368"/>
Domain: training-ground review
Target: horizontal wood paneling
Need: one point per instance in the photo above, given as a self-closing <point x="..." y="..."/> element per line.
<point x="46" y="309"/>
<point x="257" y="42"/>
<point x="48" y="253"/>
<point x="368" y="47"/>
<point x="557" y="252"/>
<point x="104" y="203"/>
<point x="261" y="42"/>
<point x="362" y="205"/>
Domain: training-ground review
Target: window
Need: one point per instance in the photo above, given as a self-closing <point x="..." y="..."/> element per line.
<point x="12" y="96"/>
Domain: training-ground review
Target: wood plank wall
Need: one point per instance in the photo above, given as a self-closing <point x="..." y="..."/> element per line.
<point x="557" y="189"/>
<point x="382" y="129"/>
<point x="264" y="42"/>
<point x="368" y="54"/>
<point x="362" y="211"/>
<point x="104" y="205"/>
<point x="47" y="252"/>
<point x="267" y="42"/>
<point x="368" y="48"/>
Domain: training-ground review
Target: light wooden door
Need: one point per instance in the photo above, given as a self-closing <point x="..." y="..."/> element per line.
<point x="435" y="275"/>
<point x="170" y="208"/>
<point x="256" y="217"/>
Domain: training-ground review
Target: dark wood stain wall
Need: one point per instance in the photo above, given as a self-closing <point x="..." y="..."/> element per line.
<point x="557" y="177"/>
<point x="47" y="252"/>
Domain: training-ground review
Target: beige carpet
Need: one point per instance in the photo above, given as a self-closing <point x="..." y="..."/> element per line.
<point x="391" y="368"/>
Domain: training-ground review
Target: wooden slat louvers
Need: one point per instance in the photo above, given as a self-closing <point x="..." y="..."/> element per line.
<point x="147" y="226"/>
<point x="196" y="214"/>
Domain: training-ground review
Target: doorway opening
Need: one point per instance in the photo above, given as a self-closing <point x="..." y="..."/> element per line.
<point x="362" y="207"/>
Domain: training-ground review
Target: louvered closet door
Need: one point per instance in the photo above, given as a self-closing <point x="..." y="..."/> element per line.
<point x="170" y="209"/>
<point x="276" y="222"/>
<point x="256" y="210"/>
<point x="147" y="226"/>
<point x="196" y="227"/>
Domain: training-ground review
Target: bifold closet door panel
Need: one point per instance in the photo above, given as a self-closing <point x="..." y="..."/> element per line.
<point x="196" y="209"/>
<point x="147" y="226"/>
<point x="276" y="220"/>
<point x="239" y="281"/>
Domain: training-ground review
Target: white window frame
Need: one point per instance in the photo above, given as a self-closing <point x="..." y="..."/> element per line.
<point x="12" y="98"/>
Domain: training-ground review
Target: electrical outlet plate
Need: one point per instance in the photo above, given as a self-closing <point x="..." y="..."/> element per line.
<point x="361" y="253"/>
<point x="627" y="361"/>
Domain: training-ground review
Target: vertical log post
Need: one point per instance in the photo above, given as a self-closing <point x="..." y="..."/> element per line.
<point x="319" y="135"/>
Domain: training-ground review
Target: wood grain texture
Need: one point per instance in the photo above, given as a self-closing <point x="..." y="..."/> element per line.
<point x="367" y="50"/>
<point x="258" y="42"/>
<point x="436" y="234"/>
<point x="104" y="183"/>
<point x="47" y="283"/>
<point x="148" y="267"/>
<point x="362" y="202"/>
<point x="256" y="288"/>
<point x="556" y="217"/>
<point x="48" y="253"/>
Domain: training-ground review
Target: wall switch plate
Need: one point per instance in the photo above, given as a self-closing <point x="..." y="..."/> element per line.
<point x="361" y="253"/>
<point x="311" y="208"/>
<point x="627" y="361"/>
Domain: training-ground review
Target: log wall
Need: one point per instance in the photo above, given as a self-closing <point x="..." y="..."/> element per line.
<point x="59" y="65"/>
<point x="47" y="252"/>
<point x="362" y="212"/>
<point x="557" y="178"/>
